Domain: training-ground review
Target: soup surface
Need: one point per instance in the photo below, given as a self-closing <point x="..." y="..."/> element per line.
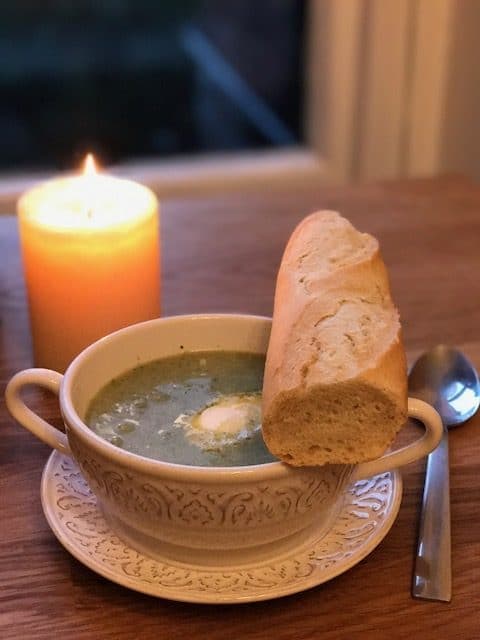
<point x="200" y="408"/>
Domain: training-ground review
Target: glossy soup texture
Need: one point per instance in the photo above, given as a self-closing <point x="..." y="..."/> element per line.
<point x="198" y="408"/>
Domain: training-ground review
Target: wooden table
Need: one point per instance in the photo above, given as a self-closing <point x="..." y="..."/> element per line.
<point x="221" y="254"/>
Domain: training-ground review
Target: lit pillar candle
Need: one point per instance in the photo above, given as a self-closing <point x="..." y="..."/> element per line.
<point x="90" y="248"/>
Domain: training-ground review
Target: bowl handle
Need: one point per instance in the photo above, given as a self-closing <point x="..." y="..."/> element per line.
<point x="418" y="449"/>
<point x="26" y="417"/>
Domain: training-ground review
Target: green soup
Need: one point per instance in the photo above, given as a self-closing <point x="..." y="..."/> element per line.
<point x="200" y="408"/>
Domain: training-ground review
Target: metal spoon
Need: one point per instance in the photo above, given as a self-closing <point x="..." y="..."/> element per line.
<point x="444" y="378"/>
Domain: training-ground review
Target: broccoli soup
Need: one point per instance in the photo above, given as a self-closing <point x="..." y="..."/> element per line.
<point x="201" y="408"/>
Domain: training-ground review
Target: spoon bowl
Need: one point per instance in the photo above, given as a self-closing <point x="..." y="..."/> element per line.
<point x="447" y="380"/>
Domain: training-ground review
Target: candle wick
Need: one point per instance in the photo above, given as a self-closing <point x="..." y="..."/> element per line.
<point x="89" y="214"/>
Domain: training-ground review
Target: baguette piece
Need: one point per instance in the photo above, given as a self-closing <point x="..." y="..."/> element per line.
<point x="335" y="383"/>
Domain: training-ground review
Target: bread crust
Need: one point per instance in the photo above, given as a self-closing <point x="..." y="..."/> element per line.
<point x="334" y="323"/>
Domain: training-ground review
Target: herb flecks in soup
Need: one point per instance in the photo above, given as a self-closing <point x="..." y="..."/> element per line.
<point x="200" y="408"/>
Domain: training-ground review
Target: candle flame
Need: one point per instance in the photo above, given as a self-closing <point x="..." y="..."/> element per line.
<point x="89" y="170"/>
<point x="89" y="167"/>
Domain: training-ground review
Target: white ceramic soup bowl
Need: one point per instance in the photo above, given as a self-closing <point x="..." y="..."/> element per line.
<point x="194" y="512"/>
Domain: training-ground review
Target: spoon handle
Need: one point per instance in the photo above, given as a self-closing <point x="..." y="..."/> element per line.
<point x="432" y="577"/>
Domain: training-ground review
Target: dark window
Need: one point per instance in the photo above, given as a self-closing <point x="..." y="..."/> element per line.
<point x="138" y="78"/>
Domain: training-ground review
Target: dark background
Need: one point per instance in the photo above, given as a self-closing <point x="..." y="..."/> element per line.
<point x="132" y="78"/>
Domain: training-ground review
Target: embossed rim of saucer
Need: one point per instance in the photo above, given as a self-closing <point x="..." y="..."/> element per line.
<point x="369" y="510"/>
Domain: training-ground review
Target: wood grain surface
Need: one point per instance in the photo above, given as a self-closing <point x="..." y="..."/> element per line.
<point x="222" y="254"/>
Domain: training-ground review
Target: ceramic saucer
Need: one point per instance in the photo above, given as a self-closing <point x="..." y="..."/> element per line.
<point x="369" y="510"/>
